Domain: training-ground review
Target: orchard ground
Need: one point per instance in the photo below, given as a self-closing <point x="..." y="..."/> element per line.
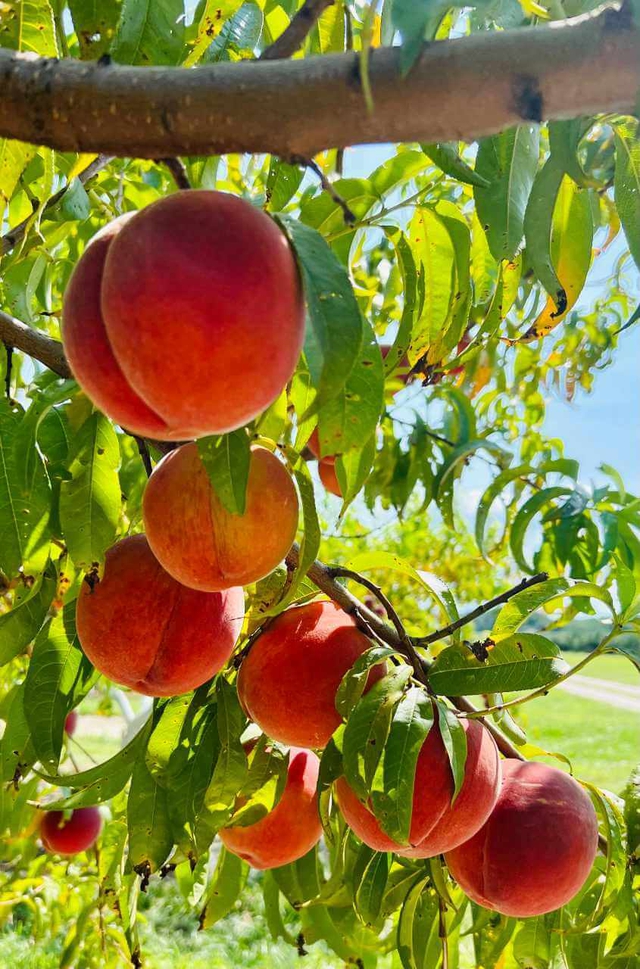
<point x="600" y="740"/>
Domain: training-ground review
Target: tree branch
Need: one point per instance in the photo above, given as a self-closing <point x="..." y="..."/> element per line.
<point x="480" y="610"/>
<point x="15" y="236"/>
<point x="291" y="39"/>
<point x="459" y="89"/>
<point x="38" y="345"/>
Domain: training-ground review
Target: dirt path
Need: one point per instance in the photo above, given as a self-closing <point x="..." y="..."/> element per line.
<point x="620" y="695"/>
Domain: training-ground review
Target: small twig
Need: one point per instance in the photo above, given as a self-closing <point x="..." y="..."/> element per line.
<point x="442" y="932"/>
<point x="294" y="36"/>
<point x="143" y="448"/>
<point x="349" y="217"/>
<point x="7" y="376"/>
<point x="178" y="170"/>
<point x="480" y="610"/>
<point x="407" y="644"/>
<point x="14" y="236"/>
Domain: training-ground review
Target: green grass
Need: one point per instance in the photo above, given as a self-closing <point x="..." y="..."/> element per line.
<point x="609" y="667"/>
<point x="600" y="740"/>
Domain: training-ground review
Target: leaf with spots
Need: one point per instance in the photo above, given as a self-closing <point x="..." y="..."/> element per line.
<point x="227" y="884"/>
<point x="523" y="661"/>
<point x="21" y="623"/>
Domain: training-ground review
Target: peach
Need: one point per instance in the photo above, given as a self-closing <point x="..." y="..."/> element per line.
<point x="71" y="835"/>
<point x="536" y="849"/>
<point x="436" y="824"/>
<point x="328" y="476"/>
<point x="291" y="829"/>
<point x="186" y="318"/>
<point x="200" y="543"/>
<point x="288" y="682"/>
<point x="144" y="630"/>
<point x="70" y="723"/>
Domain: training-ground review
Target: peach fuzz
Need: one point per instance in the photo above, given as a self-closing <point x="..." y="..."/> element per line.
<point x="536" y="850"/>
<point x="69" y="836"/>
<point x="288" y="682"/>
<point x="186" y="318"/>
<point x="436" y="824"/>
<point x="203" y="545"/>
<point x="291" y="829"/>
<point x="144" y="630"/>
<point x="328" y="476"/>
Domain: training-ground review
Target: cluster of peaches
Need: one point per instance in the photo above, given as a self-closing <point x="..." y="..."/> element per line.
<point x="169" y="323"/>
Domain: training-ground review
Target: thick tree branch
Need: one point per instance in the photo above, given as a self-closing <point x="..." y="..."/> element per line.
<point x="38" y="345"/>
<point x="15" y="236"/>
<point x="292" y="39"/>
<point x="459" y="89"/>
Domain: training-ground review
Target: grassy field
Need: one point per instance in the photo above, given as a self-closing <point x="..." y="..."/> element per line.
<point x="611" y="666"/>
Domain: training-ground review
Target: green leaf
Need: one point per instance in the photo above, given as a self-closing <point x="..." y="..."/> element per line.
<point x="335" y="328"/>
<point x="59" y="675"/>
<point x="166" y="735"/>
<point x="608" y="808"/>
<point x="190" y="768"/>
<point x="523" y="604"/>
<point x="231" y="769"/>
<point x="409" y="277"/>
<point x="283" y="181"/>
<point x="532" y="944"/>
<point x="627" y="184"/>
<point x="561" y="466"/>
<point x="353" y="469"/>
<point x="273" y="915"/>
<point x="226" y="887"/>
<point x="446" y="156"/>
<point x="538" y="222"/>
<point x="370" y="893"/>
<point x="435" y="257"/>
<point x="19" y="626"/>
<point x="17" y="752"/>
<point x="265" y="782"/>
<point x="367" y="729"/>
<point x="227" y="460"/>
<point x="150" y="840"/>
<point x="150" y="32"/>
<point x="519" y="662"/>
<point x="14" y="158"/>
<point x="90" y="499"/>
<point x="418" y="914"/>
<point x="25" y="506"/>
<point x="629" y="648"/>
<point x="509" y="161"/>
<point x="102" y="782"/>
<point x="564" y="140"/>
<point x="411" y="19"/>
<point x="464" y="451"/>
<point x="392" y="795"/>
<point x="351" y="417"/>
<point x="210" y="18"/>
<point x="27" y="25"/>
<point x="354" y="680"/>
<point x="240" y="34"/>
<point x="95" y="22"/>
<point x="525" y="516"/>
<point x="75" y="203"/>
<point x="454" y="739"/>
<point x="311" y="535"/>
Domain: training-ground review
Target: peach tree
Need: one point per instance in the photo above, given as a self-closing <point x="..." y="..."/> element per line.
<point x="234" y="345"/>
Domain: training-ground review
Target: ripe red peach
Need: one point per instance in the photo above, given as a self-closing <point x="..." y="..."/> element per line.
<point x="328" y="476"/>
<point x="69" y="836"/>
<point x="186" y="318"/>
<point x="536" y="850"/>
<point x="144" y="630"/>
<point x="70" y="723"/>
<point x="436" y="824"/>
<point x="203" y="545"/>
<point x="291" y="829"/>
<point x="288" y="682"/>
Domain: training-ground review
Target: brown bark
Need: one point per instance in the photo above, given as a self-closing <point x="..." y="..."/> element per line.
<point x="459" y="89"/>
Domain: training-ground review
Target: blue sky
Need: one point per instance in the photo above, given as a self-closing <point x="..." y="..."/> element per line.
<point x="600" y="427"/>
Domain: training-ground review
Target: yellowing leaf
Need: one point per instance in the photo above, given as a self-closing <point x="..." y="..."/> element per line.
<point x="571" y="239"/>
